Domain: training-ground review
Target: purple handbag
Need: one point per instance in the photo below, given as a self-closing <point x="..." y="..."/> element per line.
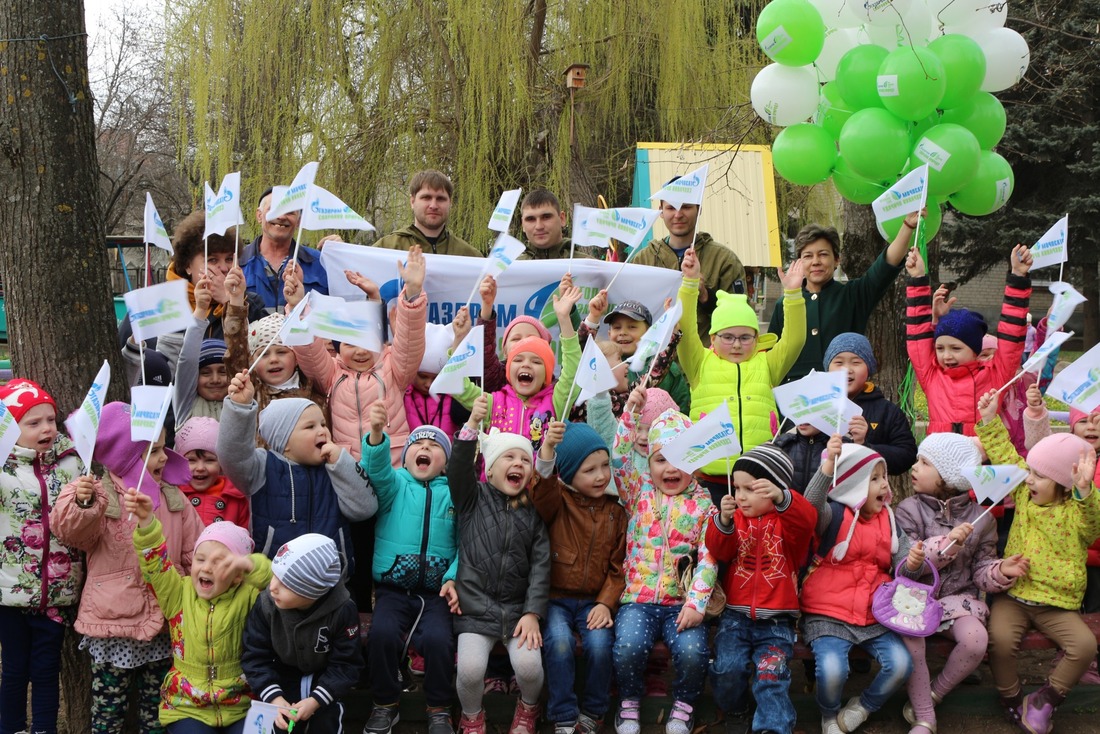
<point x="908" y="607"/>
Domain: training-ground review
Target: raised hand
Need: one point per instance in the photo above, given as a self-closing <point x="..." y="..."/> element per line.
<point x="235" y="286"/>
<point x="293" y="291"/>
<point x="832" y="453"/>
<point x="636" y="402"/>
<point x="1084" y="471"/>
<point x="1021" y="260"/>
<point x="378" y="420"/>
<point x="365" y="284"/>
<point x="987" y="406"/>
<point x="690" y="264"/>
<point x="766" y="488"/>
<point x="203" y="297"/>
<point x="941" y="304"/>
<point x="139" y="505"/>
<point x="412" y="271"/>
<point x="488" y="292"/>
<point x="792" y="279"/>
<point x="597" y="307"/>
<point x="241" y="390"/>
<point x="914" y="264"/>
<point x="461" y="325"/>
<point x="479" y="411"/>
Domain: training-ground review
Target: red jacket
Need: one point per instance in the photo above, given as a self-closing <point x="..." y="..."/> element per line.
<point x="953" y="393"/>
<point x="764" y="554"/>
<point x="220" y="502"/>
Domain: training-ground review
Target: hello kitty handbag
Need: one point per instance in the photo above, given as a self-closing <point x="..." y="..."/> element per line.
<point x="908" y="607"/>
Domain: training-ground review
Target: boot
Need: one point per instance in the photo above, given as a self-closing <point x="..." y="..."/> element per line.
<point x="1010" y="705"/>
<point x="1037" y="711"/>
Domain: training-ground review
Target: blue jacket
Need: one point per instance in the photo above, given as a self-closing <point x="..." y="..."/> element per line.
<point x="416" y="535"/>
<point x="269" y="287"/>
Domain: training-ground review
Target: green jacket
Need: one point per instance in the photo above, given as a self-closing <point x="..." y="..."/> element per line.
<point x="447" y="244"/>
<point x="838" y="308"/>
<point x="720" y="268"/>
<point x="559" y="251"/>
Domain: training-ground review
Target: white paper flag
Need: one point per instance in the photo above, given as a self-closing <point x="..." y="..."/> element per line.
<point x="296" y="196"/>
<point x="325" y="211"/>
<point x="712" y="438"/>
<point x="501" y="219"/>
<point x="353" y="322"/>
<point x="688" y="189"/>
<point x="594" y="374"/>
<point x="505" y="251"/>
<point x="260" y="718"/>
<point x="592" y="227"/>
<point x="83" y="424"/>
<point x="1036" y="361"/>
<point x="148" y="408"/>
<point x="295" y="329"/>
<point x="9" y="427"/>
<point x="819" y="398"/>
<point x="906" y="196"/>
<point x="1066" y="300"/>
<point x="223" y="209"/>
<point x="155" y="233"/>
<point x="159" y="309"/>
<point x="994" y="483"/>
<point x="656" y="338"/>
<point x="467" y="361"/>
<point x="1079" y="384"/>
<point x="1053" y="247"/>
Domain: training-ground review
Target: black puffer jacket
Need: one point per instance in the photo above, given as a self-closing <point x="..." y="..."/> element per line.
<point x="503" y="553"/>
<point x="888" y="430"/>
<point x="805" y="454"/>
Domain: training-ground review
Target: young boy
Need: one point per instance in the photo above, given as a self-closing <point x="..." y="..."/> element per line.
<point x="763" y="531"/>
<point x="301" y="641"/>
<point x="588" y="537"/>
<point x="415" y="562"/>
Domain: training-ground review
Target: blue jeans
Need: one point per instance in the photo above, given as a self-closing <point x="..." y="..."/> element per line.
<point x="637" y="627"/>
<point x="832" y="671"/>
<point x="564" y="617"/>
<point x="758" y="651"/>
<point x="30" y="650"/>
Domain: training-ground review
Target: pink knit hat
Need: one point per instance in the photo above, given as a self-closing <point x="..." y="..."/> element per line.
<point x="544" y="333"/>
<point x="235" y="538"/>
<point x="125" y="458"/>
<point x="198" y="433"/>
<point x="1055" y="455"/>
<point x="1076" y="416"/>
<point x="657" y="401"/>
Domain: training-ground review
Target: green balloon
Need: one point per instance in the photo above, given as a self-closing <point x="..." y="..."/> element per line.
<point x="790" y="32"/>
<point x="990" y="188"/>
<point x="875" y="144"/>
<point x="920" y="127"/>
<point x="857" y="75"/>
<point x="983" y="115"/>
<point x="963" y="63"/>
<point x="832" y="111"/>
<point x="804" y="154"/>
<point x="854" y="188"/>
<point x="911" y="82"/>
<point x="930" y="224"/>
<point x="951" y="152"/>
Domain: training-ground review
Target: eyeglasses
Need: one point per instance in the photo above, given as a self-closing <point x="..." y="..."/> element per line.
<point x="730" y="339"/>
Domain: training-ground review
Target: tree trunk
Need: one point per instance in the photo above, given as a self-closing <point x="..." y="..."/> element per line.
<point x="53" y="260"/>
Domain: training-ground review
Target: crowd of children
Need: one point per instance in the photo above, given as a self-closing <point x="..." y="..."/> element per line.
<point x="220" y="571"/>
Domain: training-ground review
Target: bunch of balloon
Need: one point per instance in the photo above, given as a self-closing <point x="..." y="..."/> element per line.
<point x="868" y="91"/>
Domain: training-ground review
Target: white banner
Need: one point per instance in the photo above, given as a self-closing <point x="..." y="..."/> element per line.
<point x="1053" y="247"/>
<point x="656" y="338"/>
<point x="994" y="483"/>
<point x="83" y="424"/>
<point x="159" y="309"/>
<point x="688" y="189"/>
<point x="1079" y="384"/>
<point x="593" y="227"/>
<point x="223" y="209"/>
<point x="467" y="361"/>
<point x="9" y="432"/>
<point x="352" y="322"/>
<point x="155" y="233"/>
<point x="712" y="438"/>
<point x="324" y="210"/>
<point x="905" y="197"/>
<point x="501" y="218"/>
<point x="594" y="374"/>
<point x="820" y="399"/>
<point x="1066" y="300"/>
<point x="294" y="197"/>
<point x="148" y="408"/>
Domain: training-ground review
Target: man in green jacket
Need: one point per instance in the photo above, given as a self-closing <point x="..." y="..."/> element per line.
<point x="542" y="219"/>
<point x="430" y="195"/>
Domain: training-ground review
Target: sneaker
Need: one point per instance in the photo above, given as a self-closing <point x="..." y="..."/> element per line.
<point x="565" y="728"/>
<point x="680" y="719"/>
<point x="829" y="726"/>
<point x="439" y="721"/>
<point x="588" y="724"/>
<point x="738" y="722"/>
<point x="526" y="718"/>
<point x="495" y="685"/>
<point x="472" y="724"/>
<point x="852" y="716"/>
<point x="382" y="720"/>
<point x="629" y="720"/>
<point x="416" y="663"/>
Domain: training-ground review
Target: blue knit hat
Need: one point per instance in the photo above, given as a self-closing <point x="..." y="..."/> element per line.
<point x="579" y="442"/>
<point x="967" y="326"/>
<point x="855" y="343"/>
<point x="432" y="434"/>
<point x="211" y="352"/>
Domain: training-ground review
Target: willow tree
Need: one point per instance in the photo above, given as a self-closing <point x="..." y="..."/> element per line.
<point x="376" y="89"/>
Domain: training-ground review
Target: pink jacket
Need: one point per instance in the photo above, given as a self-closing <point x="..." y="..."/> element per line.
<point x="351" y="393"/>
<point x="511" y="415"/>
<point x="115" y="601"/>
<point x="427" y="410"/>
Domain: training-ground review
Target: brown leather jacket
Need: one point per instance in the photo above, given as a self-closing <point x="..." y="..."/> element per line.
<point x="587" y="542"/>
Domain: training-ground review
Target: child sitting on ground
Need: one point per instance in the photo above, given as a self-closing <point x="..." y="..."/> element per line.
<point x="211" y="494"/>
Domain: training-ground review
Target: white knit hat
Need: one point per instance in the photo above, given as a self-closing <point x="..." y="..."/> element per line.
<point x="308" y="565"/>
<point x="856" y="464"/>
<point x="950" y="453"/>
<point x="497" y="442"/>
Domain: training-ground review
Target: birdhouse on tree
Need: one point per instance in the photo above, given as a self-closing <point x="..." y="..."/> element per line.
<point x="574" y="76"/>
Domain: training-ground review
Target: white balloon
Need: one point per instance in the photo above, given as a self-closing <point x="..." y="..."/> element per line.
<point x="1006" y="58"/>
<point x="968" y="17"/>
<point x="882" y="12"/>
<point x="912" y="29"/>
<point x="839" y="13"/>
<point x="838" y="41"/>
<point x="784" y="95"/>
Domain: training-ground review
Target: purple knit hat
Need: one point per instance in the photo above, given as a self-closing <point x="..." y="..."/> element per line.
<point x="235" y="538"/>
<point x="544" y="333"/>
<point x="125" y="458"/>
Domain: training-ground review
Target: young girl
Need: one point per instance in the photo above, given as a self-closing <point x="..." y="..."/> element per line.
<point x="945" y="358"/>
<point x="742" y="366"/>
<point x="520" y="328"/>
<point x="211" y="494"/>
<point x="939" y="514"/>
<point x="1057" y="517"/>
<point x="201" y="379"/>
<point x="123" y="628"/>
<point x="39" y="577"/>
<point x="668" y="514"/>
<point x="860" y="548"/>
<point x="503" y="569"/>
<point x="204" y="691"/>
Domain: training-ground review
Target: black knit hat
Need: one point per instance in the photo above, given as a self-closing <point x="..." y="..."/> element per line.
<point x="767" y="461"/>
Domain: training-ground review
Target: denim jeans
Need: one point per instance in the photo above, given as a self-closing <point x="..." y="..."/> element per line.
<point x="637" y="627"/>
<point x="831" y="654"/>
<point x="564" y="617"/>
<point x="756" y="651"/>
<point x="31" y="651"/>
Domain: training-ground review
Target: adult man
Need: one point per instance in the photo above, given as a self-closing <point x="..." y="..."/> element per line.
<point x="266" y="259"/>
<point x="721" y="269"/>
<point x="542" y="219"/>
<point x="430" y="195"/>
<point x="833" y="308"/>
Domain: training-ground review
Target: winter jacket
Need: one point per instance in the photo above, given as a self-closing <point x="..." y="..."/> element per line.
<point x="719" y="266"/>
<point x="837" y="308"/>
<point x="1055" y="538"/>
<point x="559" y="251"/>
<point x="37" y="571"/>
<point x="446" y="244"/>
<point x="416" y="533"/>
<point x="503" y="553"/>
<point x="764" y="554"/>
<point x="205" y="681"/>
<point x="220" y="502"/>
<point x="747" y="386"/>
<point x="968" y="568"/>
<point x="115" y="601"/>
<point x="351" y="393"/>
<point x="662" y="531"/>
<point x="953" y="393"/>
<point x="442" y="412"/>
<point x="587" y="542"/>
<point x="259" y="278"/>
<point x="888" y="430"/>
<point x="281" y="647"/>
<point x="290" y="499"/>
<point x="805" y="454"/>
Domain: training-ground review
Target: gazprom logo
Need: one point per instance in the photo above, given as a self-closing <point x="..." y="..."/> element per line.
<point x="225" y="198"/>
<point x="316" y="208"/>
<point x="635" y="223"/>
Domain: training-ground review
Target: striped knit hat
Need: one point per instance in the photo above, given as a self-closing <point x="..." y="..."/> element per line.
<point x="212" y="351"/>
<point x="767" y="461"/>
<point x="308" y="565"/>
<point x="856" y="463"/>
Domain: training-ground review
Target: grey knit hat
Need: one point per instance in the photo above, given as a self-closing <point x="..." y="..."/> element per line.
<point x="308" y="565"/>
<point x="950" y="453"/>
<point x="278" y="419"/>
<point x="431" y="433"/>
<point x="855" y="343"/>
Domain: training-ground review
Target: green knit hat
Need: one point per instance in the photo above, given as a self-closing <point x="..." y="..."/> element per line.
<point x="733" y="309"/>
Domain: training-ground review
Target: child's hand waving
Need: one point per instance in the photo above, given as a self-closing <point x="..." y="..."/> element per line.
<point x="832" y="453"/>
<point x="412" y="271"/>
<point x="792" y="279"/>
<point x="987" y="406"/>
<point x="941" y="304"/>
<point x="597" y="307"/>
<point x="139" y="505"/>
<point x="528" y="631"/>
<point x="365" y="284"/>
<point x="1015" y="567"/>
<point x="241" y="390"/>
<point x="565" y="302"/>
<point x="1084" y="471"/>
<point x="916" y="556"/>
<point x="690" y="265"/>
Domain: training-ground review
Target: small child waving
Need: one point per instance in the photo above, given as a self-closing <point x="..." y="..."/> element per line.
<point x="211" y="494"/>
